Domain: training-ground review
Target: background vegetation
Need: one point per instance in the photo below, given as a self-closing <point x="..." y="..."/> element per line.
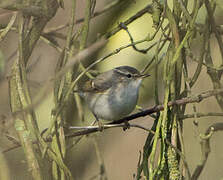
<point x="47" y="48"/>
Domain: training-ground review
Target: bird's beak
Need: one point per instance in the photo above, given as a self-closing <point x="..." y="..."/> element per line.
<point x="144" y="75"/>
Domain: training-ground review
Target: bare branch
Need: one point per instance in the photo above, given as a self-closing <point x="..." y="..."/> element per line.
<point x="152" y="110"/>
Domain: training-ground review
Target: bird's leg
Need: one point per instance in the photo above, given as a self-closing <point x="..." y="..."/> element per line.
<point x="100" y="125"/>
<point x="126" y="125"/>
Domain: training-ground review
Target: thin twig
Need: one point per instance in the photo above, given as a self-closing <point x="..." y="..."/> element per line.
<point x="210" y="13"/>
<point x="199" y="115"/>
<point x="108" y="126"/>
<point x="102" y="172"/>
<point x="8" y="27"/>
<point x="97" y="13"/>
<point x="205" y="148"/>
<point x="147" y="9"/>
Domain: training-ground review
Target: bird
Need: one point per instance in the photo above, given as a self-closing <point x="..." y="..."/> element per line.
<point x="113" y="94"/>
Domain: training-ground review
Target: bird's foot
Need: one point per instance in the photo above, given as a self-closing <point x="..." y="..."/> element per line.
<point x="126" y="125"/>
<point x="100" y="126"/>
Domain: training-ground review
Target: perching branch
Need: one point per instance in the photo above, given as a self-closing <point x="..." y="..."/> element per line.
<point x="152" y="110"/>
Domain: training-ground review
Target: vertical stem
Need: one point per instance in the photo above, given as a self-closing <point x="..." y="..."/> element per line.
<point x="25" y="122"/>
<point x="60" y="90"/>
<point x="85" y="31"/>
<point x="85" y="27"/>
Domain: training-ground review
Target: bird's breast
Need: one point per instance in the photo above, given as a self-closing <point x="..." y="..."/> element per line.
<point x="114" y="103"/>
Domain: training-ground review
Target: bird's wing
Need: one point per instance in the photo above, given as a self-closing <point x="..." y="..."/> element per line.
<point x="99" y="84"/>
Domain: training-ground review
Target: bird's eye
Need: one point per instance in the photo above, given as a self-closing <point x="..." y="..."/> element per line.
<point x="129" y="75"/>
